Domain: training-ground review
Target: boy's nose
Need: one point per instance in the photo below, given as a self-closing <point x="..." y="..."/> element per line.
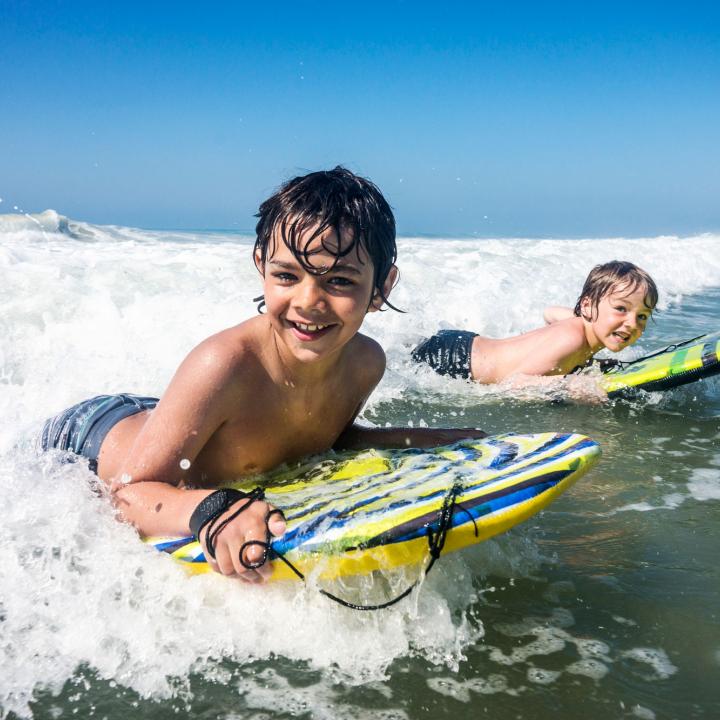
<point x="631" y="320"/>
<point x="310" y="295"/>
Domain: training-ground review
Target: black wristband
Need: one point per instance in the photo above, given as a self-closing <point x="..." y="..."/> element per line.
<point x="209" y="508"/>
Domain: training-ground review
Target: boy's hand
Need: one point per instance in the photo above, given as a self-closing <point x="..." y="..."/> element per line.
<point x="586" y="389"/>
<point x="252" y="526"/>
<point x="447" y="436"/>
<point x="357" y="437"/>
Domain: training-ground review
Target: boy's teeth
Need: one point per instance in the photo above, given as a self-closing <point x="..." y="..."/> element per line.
<point x="310" y="328"/>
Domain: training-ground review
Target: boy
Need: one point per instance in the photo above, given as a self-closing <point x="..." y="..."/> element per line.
<point x="613" y="308"/>
<point x="273" y="389"/>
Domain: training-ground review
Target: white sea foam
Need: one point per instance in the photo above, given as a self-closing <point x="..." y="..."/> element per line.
<point x="705" y="484"/>
<point x="669" y="502"/>
<point x="44" y="222"/>
<point x="593" y="669"/>
<point x="639" y="711"/>
<point x="79" y="588"/>
<point x="463" y="690"/>
<point x="269" y="689"/>
<point x="539" y="676"/>
<point x="596" y="656"/>
<point x="656" y="658"/>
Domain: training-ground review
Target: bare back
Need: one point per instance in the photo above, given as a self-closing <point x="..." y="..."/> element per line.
<point x="552" y="350"/>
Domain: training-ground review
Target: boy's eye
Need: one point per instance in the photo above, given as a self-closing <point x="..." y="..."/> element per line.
<point x="340" y="281"/>
<point x="284" y="276"/>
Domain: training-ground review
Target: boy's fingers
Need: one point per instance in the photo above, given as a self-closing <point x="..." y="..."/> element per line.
<point x="265" y="571"/>
<point x="276" y="523"/>
<point x="245" y="543"/>
<point x="252" y="552"/>
<point x="223" y="559"/>
<point x="251" y="576"/>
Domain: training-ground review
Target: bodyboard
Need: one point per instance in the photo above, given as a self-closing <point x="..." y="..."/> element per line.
<point x="678" y="364"/>
<point x="352" y="513"/>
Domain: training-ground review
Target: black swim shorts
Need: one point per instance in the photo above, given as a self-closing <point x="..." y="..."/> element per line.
<point x="448" y="352"/>
<point x="82" y="428"/>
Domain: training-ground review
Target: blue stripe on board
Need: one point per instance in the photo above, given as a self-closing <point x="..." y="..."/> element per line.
<point x="465" y="510"/>
<point x="470" y="454"/>
<point x="170" y="546"/>
<point x="709" y="355"/>
<point x="556" y="440"/>
<point x="508" y="452"/>
<point x="335" y="520"/>
<point x="317" y="506"/>
<point x="347" y="514"/>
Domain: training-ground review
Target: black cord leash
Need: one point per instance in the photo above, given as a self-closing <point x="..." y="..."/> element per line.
<point x="623" y="364"/>
<point x="209" y="511"/>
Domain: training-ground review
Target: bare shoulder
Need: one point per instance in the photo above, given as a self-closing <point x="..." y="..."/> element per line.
<point x="566" y="335"/>
<point x="219" y="358"/>
<point x="555" y="313"/>
<point x="366" y="359"/>
<point x="232" y="344"/>
<point x="566" y="344"/>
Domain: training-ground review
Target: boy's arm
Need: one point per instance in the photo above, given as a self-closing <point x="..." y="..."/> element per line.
<point x="146" y="490"/>
<point x="157" y="508"/>
<point x="357" y="437"/>
<point x="196" y="403"/>
<point x="554" y="313"/>
<point x="583" y="388"/>
<point x="369" y="372"/>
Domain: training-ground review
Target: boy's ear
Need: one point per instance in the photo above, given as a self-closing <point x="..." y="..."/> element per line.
<point x="257" y="257"/>
<point x="390" y="281"/>
<point x="586" y="312"/>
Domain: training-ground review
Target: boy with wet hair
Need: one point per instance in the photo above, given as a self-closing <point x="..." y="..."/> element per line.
<point x="602" y="279"/>
<point x="273" y="389"/>
<point x="303" y="210"/>
<point x="614" y="306"/>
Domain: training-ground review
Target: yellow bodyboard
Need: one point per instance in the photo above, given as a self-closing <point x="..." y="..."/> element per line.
<point x="352" y="513"/>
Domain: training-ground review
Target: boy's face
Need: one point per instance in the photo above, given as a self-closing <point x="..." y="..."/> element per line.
<point x="315" y="315"/>
<point x="620" y="317"/>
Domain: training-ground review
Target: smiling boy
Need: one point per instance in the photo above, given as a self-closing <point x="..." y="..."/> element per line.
<point x="273" y="389"/>
<point x="614" y="306"/>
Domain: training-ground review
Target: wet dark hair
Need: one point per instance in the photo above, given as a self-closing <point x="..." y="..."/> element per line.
<point x="616" y="275"/>
<point x="306" y="206"/>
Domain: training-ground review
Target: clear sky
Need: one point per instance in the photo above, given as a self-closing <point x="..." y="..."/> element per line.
<point x="537" y="118"/>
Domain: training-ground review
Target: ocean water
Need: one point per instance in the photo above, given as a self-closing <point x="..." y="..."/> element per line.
<point x="604" y="606"/>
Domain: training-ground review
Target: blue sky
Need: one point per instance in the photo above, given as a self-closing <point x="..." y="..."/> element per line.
<point x="536" y="119"/>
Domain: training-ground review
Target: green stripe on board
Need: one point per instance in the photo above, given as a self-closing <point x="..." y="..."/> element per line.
<point x="678" y="362"/>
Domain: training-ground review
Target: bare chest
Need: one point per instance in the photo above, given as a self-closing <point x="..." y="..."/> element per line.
<point x="280" y="432"/>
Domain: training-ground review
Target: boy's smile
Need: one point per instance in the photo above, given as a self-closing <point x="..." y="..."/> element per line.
<point x="307" y="332"/>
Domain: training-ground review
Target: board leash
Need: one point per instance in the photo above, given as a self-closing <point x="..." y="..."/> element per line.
<point x="611" y="363"/>
<point x="209" y="511"/>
